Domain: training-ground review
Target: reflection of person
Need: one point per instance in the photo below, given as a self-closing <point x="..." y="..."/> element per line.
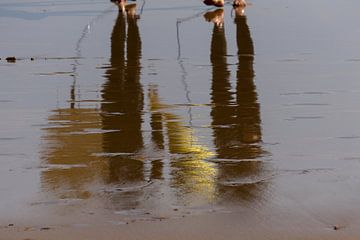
<point x="235" y="117"/>
<point x="123" y="101"/>
<point x="246" y="90"/>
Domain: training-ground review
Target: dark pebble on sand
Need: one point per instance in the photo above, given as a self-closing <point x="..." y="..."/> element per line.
<point x="11" y="59"/>
<point x="337" y="227"/>
<point x="44" y="228"/>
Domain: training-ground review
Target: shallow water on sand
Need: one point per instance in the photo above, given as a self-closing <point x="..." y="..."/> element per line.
<point x="169" y="115"/>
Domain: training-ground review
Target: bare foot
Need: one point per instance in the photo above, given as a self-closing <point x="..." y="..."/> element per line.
<point x="217" y="3"/>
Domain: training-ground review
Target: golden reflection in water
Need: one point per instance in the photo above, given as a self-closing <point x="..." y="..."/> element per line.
<point x="235" y="116"/>
<point x="123" y="94"/>
<point x="87" y="148"/>
<point x="90" y="149"/>
<point x="70" y="141"/>
<point x="190" y="173"/>
<point x="114" y="155"/>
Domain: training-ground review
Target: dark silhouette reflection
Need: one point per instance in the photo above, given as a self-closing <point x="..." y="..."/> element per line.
<point x="235" y="116"/>
<point x="88" y="147"/>
<point x="156" y="121"/>
<point x="123" y="102"/>
<point x="103" y="152"/>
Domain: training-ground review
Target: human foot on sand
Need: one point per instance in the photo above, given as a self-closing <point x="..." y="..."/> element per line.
<point x="216" y="3"/>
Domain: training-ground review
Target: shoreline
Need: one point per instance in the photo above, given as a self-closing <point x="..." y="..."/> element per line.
<point x="208" y="226"/>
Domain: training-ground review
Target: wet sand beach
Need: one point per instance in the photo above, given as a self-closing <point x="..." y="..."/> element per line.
<point x="177" y="120"/>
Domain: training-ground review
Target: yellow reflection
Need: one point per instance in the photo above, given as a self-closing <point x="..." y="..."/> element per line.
<point x="71" y="139"/>
<point x="107" y="145"/>
<point x="190" y="172"/>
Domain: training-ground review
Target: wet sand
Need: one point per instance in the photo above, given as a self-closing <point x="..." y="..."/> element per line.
<point x="217" y="226"/>
<point x="176" y="123"/>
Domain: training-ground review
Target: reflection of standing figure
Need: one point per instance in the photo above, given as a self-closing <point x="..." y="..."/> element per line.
<point x="236" y="117"/>
<point x="248" y="110"/>
<point x="123" y="101"/>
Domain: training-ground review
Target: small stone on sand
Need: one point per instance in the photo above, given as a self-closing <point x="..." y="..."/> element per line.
<point x="11" y="59"/>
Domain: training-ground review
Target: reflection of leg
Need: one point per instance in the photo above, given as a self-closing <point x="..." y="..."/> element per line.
<point x="248" y="112"/>
<point x="156" y="121"/>
<point x="217" y="17"/>
<point x="120" y="3"/>
<point x="239" y="11"/>
<point x="132" y="91"/>
<point x="131" y="11"/>
<point x="239" y="3"/>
